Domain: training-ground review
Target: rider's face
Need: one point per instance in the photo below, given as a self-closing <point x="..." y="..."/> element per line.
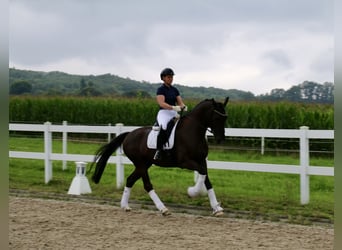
<point x="168" y="79"/>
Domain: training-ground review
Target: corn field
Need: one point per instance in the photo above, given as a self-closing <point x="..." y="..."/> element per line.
<point x="142" y="112"/>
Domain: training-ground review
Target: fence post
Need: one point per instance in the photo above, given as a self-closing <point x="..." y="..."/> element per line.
<point x="304" y="164"/>
<point x="119" y="166"/>
<point x="262" y="145"/>
<point x="109" y="134"/>
<point x="48" y="151"/>
<point x="65" y="142"/>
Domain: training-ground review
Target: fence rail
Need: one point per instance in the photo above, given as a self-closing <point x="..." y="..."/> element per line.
<point x="304" y="170"/>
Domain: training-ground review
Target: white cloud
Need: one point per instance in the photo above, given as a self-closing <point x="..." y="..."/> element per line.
<point x="249" y="45"/>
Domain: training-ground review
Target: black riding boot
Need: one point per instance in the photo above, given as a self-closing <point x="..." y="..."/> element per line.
<point x="161" y="139"/>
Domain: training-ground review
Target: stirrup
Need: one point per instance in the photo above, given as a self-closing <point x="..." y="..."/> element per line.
<point x="157" y="155"/>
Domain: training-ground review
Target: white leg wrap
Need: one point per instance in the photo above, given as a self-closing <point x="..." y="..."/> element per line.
<point x="125" y="197"/>
<point x="213" y="202"/>
<point x="159" y="204"/>
<point x="198" y="188"/>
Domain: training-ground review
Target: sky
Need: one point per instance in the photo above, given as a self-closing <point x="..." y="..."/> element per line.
<point x="250" y="45"/>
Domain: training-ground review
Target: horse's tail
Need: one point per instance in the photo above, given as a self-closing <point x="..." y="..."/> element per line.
<point x="103" y="154"/>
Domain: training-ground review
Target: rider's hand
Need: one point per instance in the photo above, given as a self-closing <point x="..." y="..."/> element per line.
<point x="184" y="108"/>
<point x="176" y="108"/>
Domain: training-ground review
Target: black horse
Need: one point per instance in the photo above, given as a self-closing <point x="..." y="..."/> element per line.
<point x="190" y="152"/>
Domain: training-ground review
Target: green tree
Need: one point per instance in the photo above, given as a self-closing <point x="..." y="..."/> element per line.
<point x="137" y="93"/>
<point x="83" y="84"/>
<point x="20" y="87"/>
<point x="89" y="91"/>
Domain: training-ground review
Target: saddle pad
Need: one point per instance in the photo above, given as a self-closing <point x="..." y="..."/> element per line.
<point x="152" y="138"/>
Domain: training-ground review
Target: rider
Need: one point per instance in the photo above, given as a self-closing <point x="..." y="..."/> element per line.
<point x="170" y="102"/>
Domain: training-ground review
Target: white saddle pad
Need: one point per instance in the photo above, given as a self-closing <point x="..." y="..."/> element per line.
<point x="152" y="138"/>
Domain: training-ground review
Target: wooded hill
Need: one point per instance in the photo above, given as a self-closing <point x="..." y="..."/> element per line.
<point x="55" y="83"/>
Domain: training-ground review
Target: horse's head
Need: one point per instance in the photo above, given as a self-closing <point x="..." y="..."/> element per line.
<point x="218" y="119"/>
<point x="211" y="114"/>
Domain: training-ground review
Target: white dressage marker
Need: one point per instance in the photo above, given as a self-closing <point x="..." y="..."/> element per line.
<point x="80" y="184"/>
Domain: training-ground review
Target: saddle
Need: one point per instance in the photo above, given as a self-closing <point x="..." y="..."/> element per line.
<point x="170" y="134"/>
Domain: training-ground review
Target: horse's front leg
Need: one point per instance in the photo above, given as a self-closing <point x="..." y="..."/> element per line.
<point x="153" y="195"/>
<point x="199" y="187"/>
<point x="203" y="185"/>
<point x="201" y="171"/>
<point x="217" y="209"/>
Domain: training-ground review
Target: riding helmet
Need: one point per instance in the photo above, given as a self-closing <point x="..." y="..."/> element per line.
<point x="166" y="72"/>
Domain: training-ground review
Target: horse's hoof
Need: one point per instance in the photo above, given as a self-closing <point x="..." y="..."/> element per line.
<point x="127" y="209"/>
<point x="165" y="212"/>
<point x="218" y="213"/>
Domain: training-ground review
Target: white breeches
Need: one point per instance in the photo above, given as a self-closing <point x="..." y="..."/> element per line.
<point x="164" y="116"/>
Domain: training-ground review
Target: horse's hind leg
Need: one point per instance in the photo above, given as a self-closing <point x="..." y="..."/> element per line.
<point x="153" y="195"/>
<point x="131" y="179"/>
<point x="125" y="198"/>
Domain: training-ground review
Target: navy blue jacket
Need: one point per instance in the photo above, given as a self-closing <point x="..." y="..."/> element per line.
<point x="170" y="93"/>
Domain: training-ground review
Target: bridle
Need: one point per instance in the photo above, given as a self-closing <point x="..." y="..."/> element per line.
<point x="221" y="114"/>
<point x="207" y="128"/>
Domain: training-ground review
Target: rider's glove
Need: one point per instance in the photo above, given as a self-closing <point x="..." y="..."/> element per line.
<point x="176" y="108"/>
<point x="184" y="108"/>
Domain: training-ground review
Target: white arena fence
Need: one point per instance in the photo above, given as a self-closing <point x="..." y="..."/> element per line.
<point x="304" y="170"/>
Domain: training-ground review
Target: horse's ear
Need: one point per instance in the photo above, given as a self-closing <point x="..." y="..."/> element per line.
<point x="226" y="101"/>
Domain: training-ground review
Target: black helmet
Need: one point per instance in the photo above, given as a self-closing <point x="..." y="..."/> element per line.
<point x="166" y="72"/>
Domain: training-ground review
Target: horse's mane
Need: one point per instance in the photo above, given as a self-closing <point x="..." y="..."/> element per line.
<point x="198" y="106"/>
